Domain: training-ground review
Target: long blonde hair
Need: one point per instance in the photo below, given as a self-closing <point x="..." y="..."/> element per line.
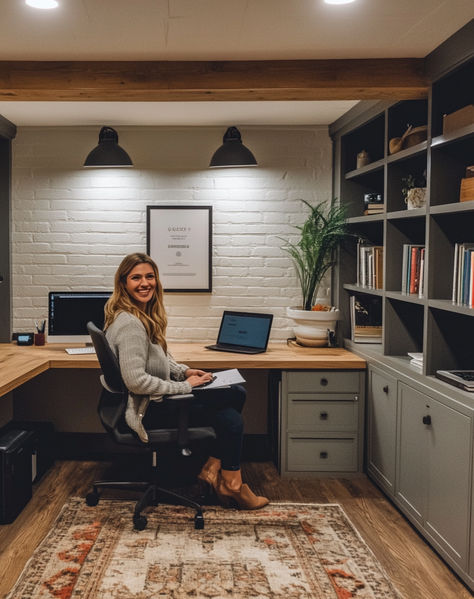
<point x="154" y="316"/>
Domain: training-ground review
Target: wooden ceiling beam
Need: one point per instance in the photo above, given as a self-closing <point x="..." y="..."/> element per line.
<point x="169" y="81"/>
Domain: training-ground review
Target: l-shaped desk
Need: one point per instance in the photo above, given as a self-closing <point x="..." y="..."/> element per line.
<point x="320" y="407"/>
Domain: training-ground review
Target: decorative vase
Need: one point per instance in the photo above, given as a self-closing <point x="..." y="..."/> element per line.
<point x="416" y="197"/>
<point x="362" y="159"/>
<point x="311" y="327"/>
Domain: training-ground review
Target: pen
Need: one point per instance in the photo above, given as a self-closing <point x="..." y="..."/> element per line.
<point x="40" y="326"/>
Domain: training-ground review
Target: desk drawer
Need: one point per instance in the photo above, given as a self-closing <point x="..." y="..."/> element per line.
<point x="313" y="415"/>
<point x="322" y="381"/>
<point x="313" y="454"/>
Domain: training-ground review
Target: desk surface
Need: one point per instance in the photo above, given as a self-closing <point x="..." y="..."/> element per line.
<point x="20" y="364"/>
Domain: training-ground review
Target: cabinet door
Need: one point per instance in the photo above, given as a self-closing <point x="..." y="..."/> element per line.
<point x="448" y="507"/>
<point x="411" y="482"/>
<point x="382" y="424"/>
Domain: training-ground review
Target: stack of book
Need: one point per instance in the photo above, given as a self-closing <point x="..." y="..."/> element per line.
<point x="369" y="266"/>
<point x="374" y="208"/>
<point x="463" y="274"/>
<point x="413" y="269"/>
<point x="416" y="360"/>
<point x="366" y="319"/>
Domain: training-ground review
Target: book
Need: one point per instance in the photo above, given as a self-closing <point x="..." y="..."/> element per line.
<point x="370" y="266"/>
<point x="411" y="265"/>
<point x="422" y="273"/>
<point x="416" y="360"/>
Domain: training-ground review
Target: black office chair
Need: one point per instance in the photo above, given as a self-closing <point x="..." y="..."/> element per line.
<point x="111" y="411"/>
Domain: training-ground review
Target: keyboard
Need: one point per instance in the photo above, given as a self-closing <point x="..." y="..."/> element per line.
<point x="81" y="350"/>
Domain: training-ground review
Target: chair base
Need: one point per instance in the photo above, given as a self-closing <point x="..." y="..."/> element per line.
<point x="150" y="494"/>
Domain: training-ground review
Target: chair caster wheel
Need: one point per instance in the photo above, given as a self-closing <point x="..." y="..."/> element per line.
<point x="92" y="499"/>
<point x="139" y="522"/>
<point x="198" y="521"/>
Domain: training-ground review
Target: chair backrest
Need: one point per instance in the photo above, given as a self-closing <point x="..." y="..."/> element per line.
<point x="107" y="359"/>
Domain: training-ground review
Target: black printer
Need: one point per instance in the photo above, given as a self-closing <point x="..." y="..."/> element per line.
<point x="16" y="449"/>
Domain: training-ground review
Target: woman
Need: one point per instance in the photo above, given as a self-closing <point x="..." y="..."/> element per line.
<point x="135" y="326"/>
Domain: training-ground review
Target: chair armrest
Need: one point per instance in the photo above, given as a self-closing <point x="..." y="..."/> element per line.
<point x="180" y="396"/>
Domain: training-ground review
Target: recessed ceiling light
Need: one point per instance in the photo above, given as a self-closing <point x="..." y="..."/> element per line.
<point x="338" y="1"/>
<point x="44" y="4"/>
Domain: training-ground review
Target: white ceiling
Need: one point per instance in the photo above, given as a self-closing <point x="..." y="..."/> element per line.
<point x="215" y="30"/>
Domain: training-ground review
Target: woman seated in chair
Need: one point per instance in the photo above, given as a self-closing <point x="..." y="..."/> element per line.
<point x="135" y="327"/>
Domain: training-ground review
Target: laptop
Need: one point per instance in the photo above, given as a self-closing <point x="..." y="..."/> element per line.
<point x="243" y="332"/>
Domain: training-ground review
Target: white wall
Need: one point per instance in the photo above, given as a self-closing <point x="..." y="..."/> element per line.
<point x="72" y="226"/>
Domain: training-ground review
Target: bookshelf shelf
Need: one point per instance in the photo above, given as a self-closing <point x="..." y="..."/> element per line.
<point x="359" y="289"/>
<point x="449" y="306"/>
<point x="418" y="149"/>
<point x="462" y="134"/>
<point x="367" y="169"/>
<point x="405" y="297"/>
<point x="367" y="219"/>
<point x="415" y="213"/>
<point x="453" y="208"/>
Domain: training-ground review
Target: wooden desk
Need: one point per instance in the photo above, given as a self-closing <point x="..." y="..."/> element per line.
<point x="19" y="364"/>
<point x="318" y="410"/>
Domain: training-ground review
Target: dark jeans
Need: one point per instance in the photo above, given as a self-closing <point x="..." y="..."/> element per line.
<point x="219" y="408"/>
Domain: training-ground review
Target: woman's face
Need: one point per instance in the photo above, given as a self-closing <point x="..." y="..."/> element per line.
<point x="141" y="284"/>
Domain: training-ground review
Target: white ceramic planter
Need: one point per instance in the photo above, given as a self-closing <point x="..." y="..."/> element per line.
<point x="311" y="327"/>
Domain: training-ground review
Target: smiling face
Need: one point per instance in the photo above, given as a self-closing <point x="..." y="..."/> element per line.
<point x="141" y="284"/>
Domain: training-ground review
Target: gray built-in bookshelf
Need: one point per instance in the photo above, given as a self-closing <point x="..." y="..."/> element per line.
<point x="420" y="430"/>
<point x="429" y="322"/>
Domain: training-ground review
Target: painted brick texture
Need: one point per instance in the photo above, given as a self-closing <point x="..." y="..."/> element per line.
<point x="72" y="226"/>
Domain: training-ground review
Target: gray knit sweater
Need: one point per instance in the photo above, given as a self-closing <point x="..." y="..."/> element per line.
<point x="147" y="371"/>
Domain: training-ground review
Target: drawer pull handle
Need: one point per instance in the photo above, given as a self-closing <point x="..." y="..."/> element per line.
<point x="385" y="389"/>
<point x="323" y="455"/>
<point x="324" y="382"/>
<point x="323" y="415"/>
<point x="427" y="419"/>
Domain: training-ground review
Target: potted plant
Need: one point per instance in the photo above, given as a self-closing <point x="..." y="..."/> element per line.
<point x="313" y="255"/>
<point x="414" y="190"/>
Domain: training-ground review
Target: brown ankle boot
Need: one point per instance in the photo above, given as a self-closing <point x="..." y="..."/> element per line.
<point x="210" y="471"/>
<point x="231" y="491"/>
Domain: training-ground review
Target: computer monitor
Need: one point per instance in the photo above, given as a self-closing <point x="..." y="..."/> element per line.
<point x="70" y="311"/>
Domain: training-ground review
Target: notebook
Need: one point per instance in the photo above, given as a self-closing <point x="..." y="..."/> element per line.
<point x="243" y="332"/>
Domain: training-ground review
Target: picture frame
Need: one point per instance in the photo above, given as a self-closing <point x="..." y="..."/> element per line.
<point x="179" y="239"/>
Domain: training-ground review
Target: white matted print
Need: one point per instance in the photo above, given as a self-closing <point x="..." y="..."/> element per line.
<point x="179" y="241"/>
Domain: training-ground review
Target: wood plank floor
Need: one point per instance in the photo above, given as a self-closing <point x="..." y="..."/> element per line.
<point x="414" y="568"/>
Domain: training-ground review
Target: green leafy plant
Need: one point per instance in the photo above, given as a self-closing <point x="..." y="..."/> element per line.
<point x="321" y="234"/>
<point x="412" y="181"/>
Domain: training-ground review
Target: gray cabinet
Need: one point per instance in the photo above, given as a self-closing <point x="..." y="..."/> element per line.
<point x="321" y="422"/>
<point x="433" y="482"/>
<point x="382" y="427"/>
<point x="419" y="451"/>
<point x="412" y="452"/>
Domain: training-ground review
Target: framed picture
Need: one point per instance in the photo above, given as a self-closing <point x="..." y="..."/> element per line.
<point x="178" y="238"/>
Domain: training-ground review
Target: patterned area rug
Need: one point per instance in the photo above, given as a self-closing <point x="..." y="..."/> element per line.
<point x="291" y="551"/>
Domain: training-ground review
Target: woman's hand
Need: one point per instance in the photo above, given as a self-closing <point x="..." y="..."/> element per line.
<point x="194" y="372"/>
<point x="198" y="379"/>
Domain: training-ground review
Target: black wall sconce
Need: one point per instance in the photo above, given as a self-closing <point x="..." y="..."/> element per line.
<point x="108" y="152"/>
<point x="232" y="152"/>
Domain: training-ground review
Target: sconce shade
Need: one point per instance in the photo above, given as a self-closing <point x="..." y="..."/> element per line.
<point x="108" y="152"/>
<point x="232" y="152"/>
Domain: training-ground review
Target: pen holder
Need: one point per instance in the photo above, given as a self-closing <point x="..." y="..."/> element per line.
<point x="39" y="338"/>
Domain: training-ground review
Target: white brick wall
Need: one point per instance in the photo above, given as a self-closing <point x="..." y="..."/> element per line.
<point x="72" y="226"/>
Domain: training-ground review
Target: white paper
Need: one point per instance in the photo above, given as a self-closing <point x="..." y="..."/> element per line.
<point x="224" y="379"/>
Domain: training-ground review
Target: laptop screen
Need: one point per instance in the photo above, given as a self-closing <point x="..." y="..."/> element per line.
<point x="245" y="329"/>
